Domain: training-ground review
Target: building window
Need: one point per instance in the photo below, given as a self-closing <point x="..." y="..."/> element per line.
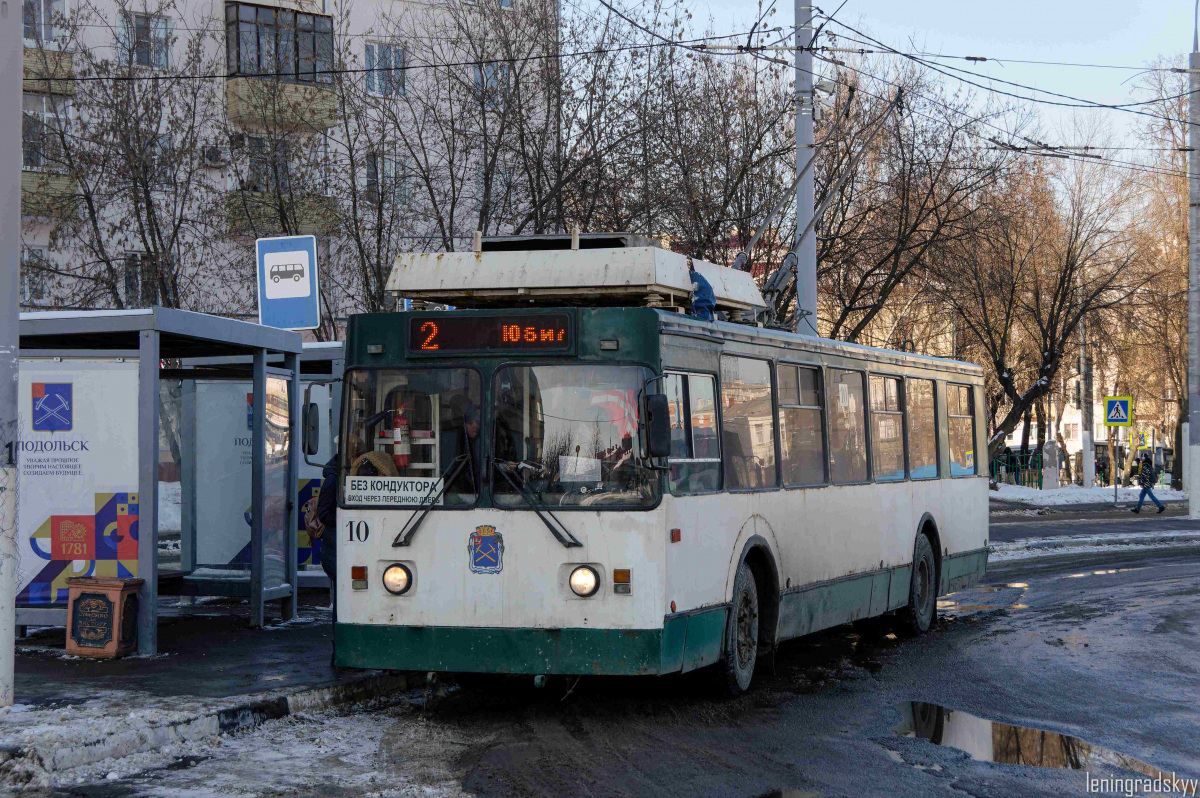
<point x="278" y="43"/>
<point x="385" y="70"/>
<point x="491" y="81"/>
<point x="887" y="429"/>
<point x="141" y="280"/>
<point x="922" y="430"/>
<point x="146" y="40"/>
<point x="847" y="427"/>
<point x="960" y="408"/>
<point x="39" y="131"/>
<point x="40" y="17"/>
<point x="269" y="165"/>
<point x="386" y="180"/>
<point x="33" y="275"/>
<point x="745" y="407"/>
<point x="801" y="426"/>
<point x="695" y="459"/>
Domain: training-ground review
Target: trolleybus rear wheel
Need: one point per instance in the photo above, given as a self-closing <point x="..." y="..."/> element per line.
<point x="741" y="634"/>
<point x="918" y="616"/>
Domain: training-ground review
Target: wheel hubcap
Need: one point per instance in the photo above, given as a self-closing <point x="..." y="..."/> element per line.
<point x="747" y="630"/>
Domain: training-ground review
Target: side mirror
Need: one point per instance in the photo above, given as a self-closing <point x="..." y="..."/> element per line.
<point x="312" y="428"/>
<point x="658" y="425"/>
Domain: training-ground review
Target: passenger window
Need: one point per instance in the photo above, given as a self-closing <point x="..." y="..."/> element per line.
<point x="747" y="423"/>
<point x="960" y="410"/>
<point x="801" y="426"/>
<point x="847" y="427"/>
<point x="922" y="430"/>
<point x="887" y="429"/>
<point x="695" y="460"/>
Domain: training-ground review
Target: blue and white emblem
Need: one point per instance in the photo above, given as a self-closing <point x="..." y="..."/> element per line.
<point x="485" y="550"/>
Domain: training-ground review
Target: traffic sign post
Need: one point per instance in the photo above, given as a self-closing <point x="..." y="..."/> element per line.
<point x="288" y="289"/>
<point x="1117" y="413"/>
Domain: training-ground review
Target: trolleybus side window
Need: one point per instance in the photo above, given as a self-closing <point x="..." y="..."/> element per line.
<point x="695" y="460"/>
<point x="960" y="409"/>
<point x="922" y="430"/>
<point x="847" y="427"/>
<point x="747" y="424"/>
<point x="887" y="429"/>
<point x="801" y="426"/>
<point x="568" y="436"/>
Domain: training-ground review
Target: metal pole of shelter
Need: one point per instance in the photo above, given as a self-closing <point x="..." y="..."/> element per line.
<point x="806" y="246"/>
<point x="10" y="285"/>
<point x="258" y="481"/>
<point x="295" y="397"/>
<point x="1193" y="444"/>
<point x="148" y="351"/>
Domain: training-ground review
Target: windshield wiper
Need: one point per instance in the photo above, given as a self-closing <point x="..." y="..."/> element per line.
<point x="560" y="532"/>
<point x="430" y="499"/>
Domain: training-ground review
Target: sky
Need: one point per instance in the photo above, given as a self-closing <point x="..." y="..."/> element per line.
<point x="1129" y="33"/>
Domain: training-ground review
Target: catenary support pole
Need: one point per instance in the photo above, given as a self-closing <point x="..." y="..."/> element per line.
<point x="1193" y="444"/>
<point x="10" y="283"/>
<point x="1087" y="453"/>
<point x="806" y="247"/>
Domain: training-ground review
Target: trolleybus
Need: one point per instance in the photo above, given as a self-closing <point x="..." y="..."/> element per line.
<point x="559" y="481"/>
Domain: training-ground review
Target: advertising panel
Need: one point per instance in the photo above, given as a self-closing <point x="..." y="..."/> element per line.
<point x="78" y="463"/>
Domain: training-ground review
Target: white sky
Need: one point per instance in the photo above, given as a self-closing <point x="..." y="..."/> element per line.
<point x="1130" y="33"/>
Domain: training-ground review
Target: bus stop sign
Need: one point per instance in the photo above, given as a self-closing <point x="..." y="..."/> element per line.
<point x="288" y="295"/>
<point x="1116" y="411"/>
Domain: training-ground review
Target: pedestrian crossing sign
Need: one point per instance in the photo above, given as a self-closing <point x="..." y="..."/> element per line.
<point x="1116" y="411"/>
<point x="1143" y="440"/>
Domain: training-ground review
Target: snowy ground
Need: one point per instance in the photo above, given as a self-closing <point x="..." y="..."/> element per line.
<point x="1074" y="494"/>
<point x="170" y="500"/>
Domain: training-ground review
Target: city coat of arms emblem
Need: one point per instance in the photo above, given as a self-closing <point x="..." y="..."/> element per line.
<point x="485" y="550"/>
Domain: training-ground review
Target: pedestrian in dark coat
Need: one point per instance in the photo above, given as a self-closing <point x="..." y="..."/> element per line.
<point x="1147" y="477"/>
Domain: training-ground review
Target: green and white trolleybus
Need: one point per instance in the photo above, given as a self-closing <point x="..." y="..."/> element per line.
<point x="576" y="476"/>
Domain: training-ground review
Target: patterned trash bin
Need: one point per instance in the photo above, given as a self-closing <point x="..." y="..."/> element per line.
<point x="102" y="616"/>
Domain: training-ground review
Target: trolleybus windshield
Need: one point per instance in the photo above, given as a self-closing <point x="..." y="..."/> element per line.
<point x="404" y="432"/>
<point x="575" y="430"/>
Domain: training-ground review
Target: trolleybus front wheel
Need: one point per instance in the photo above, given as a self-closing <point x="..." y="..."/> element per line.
<point x="918" y="616"/>
<point x="741" y="634"/>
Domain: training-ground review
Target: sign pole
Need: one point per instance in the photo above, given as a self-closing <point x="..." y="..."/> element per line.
<point x="10" y="284"/>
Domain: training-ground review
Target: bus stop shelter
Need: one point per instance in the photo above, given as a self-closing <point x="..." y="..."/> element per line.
<point x="92" y="410"/>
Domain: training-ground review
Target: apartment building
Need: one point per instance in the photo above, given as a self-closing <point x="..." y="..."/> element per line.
<point x="162" y="137"/>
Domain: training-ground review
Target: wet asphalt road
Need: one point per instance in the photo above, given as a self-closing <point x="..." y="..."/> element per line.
<point x="1100" y="647"/>
<point x="1007" y="528"/>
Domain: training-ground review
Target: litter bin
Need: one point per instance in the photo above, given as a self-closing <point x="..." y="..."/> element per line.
<point x="102" y="616"/>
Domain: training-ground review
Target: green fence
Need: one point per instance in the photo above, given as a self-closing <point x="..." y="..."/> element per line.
<point x="1017" y="468"/>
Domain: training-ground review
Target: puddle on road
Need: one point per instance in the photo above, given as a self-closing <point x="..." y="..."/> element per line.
<point x="1102" y="573"/>
<point x="990" y="741"/>
<point x="951" y="606"/>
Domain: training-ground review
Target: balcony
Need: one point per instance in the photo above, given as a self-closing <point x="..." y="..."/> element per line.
<point x="255" y="212"/>
<point x="45" y="194"/>
<point x="41" y="64"/>
<point x="264" y="103"/>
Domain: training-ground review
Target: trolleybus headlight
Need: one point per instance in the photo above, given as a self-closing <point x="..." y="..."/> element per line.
<point x="585" y="581"/>
<point x="397" y="579"/>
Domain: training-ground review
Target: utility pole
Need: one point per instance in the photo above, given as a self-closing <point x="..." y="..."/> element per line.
<point x="1087" y="455"/>
<point x="11" y="77"/>
<point x="805" y="246"/>
<point x="1193" y="444"/>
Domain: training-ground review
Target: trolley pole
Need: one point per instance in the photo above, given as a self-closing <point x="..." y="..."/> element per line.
<point x="11" y="76"/>
<point x="1193" y="444"/>
<point x="806" y="246"/>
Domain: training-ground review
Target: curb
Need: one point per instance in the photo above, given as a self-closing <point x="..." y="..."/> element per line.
<point x="19" y="765"/>
<point x="1031" y="548"/>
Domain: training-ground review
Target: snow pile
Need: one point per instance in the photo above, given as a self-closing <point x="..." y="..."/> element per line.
<point x="1074" y="494"/>
<point x="170" y="501"/>
<point x="1028" y="548"/>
